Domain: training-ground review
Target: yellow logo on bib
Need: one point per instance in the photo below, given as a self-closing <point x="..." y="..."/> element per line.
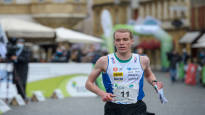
<point x="118" y="74"/>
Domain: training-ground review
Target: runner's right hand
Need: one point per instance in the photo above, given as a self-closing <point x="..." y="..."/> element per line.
<point x="107" y="97"/>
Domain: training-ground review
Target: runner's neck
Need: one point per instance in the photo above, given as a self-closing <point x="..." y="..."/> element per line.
<point x="124" y="56"/>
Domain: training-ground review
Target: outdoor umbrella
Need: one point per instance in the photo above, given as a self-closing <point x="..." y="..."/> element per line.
<point x="200" y="43"/>
<point x="63" y="34"/>
<point x="25" y="29"/>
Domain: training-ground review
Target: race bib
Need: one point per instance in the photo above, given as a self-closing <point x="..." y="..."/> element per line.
<point x="125" y="94"/>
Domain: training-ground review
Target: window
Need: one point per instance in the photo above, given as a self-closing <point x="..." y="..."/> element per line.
<point x="184" y="0"/>
<point x="183" y="15"/>
<point x="175" y="14"/>
<point x="165" y="9"/>
<point x="7" y="1"/>
<point x="23" y="1"/>
<point x="117" y="21"/>
<point x="59" y="1"/>
<point x="76" y="0"/>
<point x="41" y="0"/>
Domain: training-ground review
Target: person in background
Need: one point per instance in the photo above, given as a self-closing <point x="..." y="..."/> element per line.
<point x="191" y="73"/>
<point x="140" y="51"/>
<point x="201" y="57"/>
<point x="76" y="55"/>
<point x="1" y="59"/>
<point x="173" y="58"/>
<point x="61" y="55"/>
<point x="185" y="56"/>
<point x="20" y="72"/>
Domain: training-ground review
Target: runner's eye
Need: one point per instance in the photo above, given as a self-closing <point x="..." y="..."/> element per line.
<point x="117" y="40"/>
<point x="125" y="39"/>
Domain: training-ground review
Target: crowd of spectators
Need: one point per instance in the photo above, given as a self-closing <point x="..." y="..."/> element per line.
<point x="77" y="54"/>
<point x="65" y="53"/>
<point x="185" y="67"/>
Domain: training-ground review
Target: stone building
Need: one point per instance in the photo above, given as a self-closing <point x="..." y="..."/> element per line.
<point x="52" y="13"/>
<point x="119" y="10"/>
<point x="173" y="14"/>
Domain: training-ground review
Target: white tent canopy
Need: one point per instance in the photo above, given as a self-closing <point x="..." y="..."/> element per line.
<point x="189" y="37"/>
<point x="201" y="39"/>
<point x="200" y="43"/>
<point x="21" y="28"/>
<point x="63" y="34"/>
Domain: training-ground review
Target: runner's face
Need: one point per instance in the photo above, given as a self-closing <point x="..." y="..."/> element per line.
<point x="123" y="42"/>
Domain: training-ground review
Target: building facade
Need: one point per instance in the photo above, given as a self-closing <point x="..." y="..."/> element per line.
<point x="198" y="15"/>
<point x="119" y="10"/>
<point x="52" y="13"/>
<point x="174" y="16"/>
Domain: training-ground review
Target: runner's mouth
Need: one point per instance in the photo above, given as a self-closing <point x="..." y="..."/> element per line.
<point x="121" y="47"/>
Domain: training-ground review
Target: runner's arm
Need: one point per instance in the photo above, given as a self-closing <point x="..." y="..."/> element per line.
<point x="158" y="86"/>
<point x="90" y="83"/>
<point x="149" y="75"/>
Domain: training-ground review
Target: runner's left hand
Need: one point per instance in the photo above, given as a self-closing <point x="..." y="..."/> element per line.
<point x="159" y="85"/>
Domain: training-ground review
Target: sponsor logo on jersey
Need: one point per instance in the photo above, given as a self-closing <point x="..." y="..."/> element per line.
<point x="129" y="68"/>
<point x="129" y="75"/>
<point x="135" y="59"/>
<point x="118" y="78"/>
<point x="115" y="69"/>
<point x="118" y="86"/>
<point x="115" y="85"/>
<point x="118" y="74"/>
<point x="135" y="68"/>
<point x="131" y="86"/>
<point x="133" y="76"/>
<point x="113" y="60"/>
<point x="131" y="71"/>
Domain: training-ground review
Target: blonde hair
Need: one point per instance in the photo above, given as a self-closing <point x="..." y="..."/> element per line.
<point x="123" y="31"/>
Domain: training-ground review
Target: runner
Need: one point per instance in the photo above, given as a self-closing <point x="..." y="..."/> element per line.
<point x="123" y="74"/>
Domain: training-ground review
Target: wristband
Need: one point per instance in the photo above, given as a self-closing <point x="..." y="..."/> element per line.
<point x="154" y="81"/>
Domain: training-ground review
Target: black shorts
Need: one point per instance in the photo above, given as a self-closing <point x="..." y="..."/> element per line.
<point x="138" y="108"/>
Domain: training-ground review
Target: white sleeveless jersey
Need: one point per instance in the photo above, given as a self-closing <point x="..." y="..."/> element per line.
<point x="124" y="78"/>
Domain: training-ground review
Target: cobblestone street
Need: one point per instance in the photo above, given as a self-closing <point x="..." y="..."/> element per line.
<point x="183" y="100"/>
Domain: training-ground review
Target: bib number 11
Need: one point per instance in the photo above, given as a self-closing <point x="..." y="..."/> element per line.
<point x="125" y="94"/>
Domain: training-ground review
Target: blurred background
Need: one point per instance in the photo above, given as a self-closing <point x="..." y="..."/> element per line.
<point x="48" y="48"/>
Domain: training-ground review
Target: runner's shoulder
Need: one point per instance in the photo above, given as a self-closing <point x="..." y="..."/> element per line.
<point x="102" y="61"/>
<point x="144" y="59"/>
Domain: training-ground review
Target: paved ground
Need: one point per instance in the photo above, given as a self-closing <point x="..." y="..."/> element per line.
<point x="183" y="100"/>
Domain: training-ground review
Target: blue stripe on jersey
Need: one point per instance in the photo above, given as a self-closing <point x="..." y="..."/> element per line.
<point x="141" y="92"/>
<point x="107" y="83"/>
<point x="140" y="62"/>
<point x="107" y="63"/>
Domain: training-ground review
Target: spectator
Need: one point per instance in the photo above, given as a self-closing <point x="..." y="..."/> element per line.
<point x="185" y="56"/>
<point x="1" y="59"/>
<point x="140" y="51"/>
<point x="96" y="56"/>
<point x="201" y="57"/>
<point x="173" y="58"/>
<point x="20" y="72"/>
<point x="76" y="55"/>
<point x="192" y="71"/>
<point x="61" y="55"/>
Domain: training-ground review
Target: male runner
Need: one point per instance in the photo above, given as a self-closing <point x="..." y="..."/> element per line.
<point x="123" y="74"/>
